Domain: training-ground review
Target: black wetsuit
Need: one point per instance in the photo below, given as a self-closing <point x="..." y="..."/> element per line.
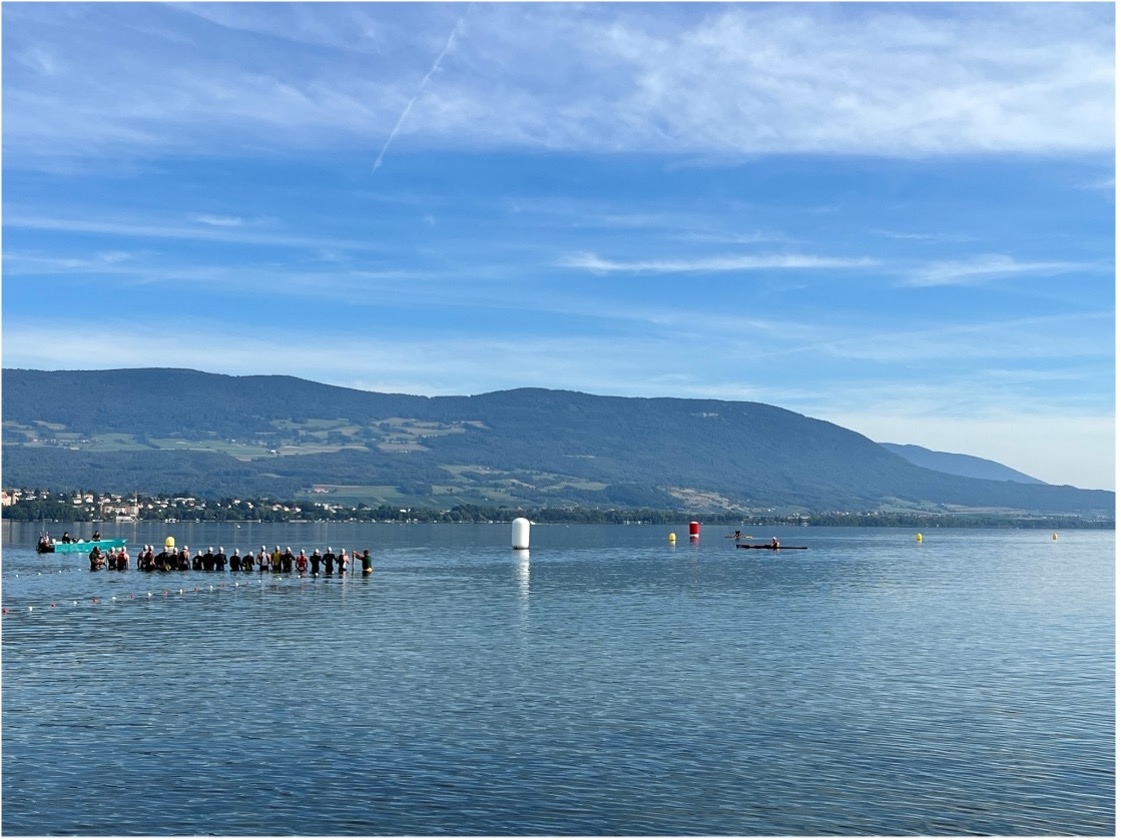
<point x="219" y="562"/>
<point x="328" y="563"/>
<point x="315" y="558"/>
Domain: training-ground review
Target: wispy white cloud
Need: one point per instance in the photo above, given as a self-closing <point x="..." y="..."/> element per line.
<point x="725" y="79"/>
<point x="594" y="263"/>
<point x="986" y="267"/>
<point x="918" y="236"/>
<point x="205" y="228"/>
<point x="217" y="221"/>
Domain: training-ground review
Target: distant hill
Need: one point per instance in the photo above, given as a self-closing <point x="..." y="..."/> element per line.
<point x="210" y="435"/>
<point x="964" y="465"/>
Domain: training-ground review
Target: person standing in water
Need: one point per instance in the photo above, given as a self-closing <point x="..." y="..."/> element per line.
<point x="367" y="561"/>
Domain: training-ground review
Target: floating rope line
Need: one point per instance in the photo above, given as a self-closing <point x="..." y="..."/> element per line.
<point x="164" y="592"/>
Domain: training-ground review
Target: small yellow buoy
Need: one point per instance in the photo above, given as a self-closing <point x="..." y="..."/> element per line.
<point x="169" y="542"/>
<point x="1054" y="536"/>
<point x="918" y="537"/>
<point x="673" y="537"/>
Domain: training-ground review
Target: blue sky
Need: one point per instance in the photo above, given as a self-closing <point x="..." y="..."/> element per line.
<point x="895" y="217"/>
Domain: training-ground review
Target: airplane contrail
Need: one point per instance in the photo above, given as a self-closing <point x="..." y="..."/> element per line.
<point x="456" y="30"/>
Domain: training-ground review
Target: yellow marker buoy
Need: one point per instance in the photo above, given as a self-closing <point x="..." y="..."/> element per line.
<point x="1054" y="536"/>
<point x="918" y="537"/>
<point x="169" y="542"/>
<point x="673" y="537"/>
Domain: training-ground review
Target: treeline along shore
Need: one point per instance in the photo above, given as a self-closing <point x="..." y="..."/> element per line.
<point x="88" y="506"/>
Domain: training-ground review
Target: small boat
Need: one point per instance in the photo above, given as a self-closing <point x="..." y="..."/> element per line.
<point x="774" y="547"/>
<point x="85" y="547"/>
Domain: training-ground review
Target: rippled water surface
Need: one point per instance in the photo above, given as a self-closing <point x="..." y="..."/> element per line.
<point x="605" y="682"/>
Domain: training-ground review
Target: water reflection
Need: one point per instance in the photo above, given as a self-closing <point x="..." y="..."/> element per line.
<point x="522" y="555"/>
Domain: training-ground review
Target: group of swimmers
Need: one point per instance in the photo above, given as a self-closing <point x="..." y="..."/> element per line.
<point x="276" y="561"/>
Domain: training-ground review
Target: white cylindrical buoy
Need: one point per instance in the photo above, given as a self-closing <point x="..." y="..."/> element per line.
<point x="519" y="533"/>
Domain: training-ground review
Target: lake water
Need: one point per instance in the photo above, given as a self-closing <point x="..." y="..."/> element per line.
<point x="604" y="682"/>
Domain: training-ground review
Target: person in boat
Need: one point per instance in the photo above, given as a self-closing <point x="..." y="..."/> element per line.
<point x="315" y="558"/>
<point x="96" y="535"/>
<point x="66" y="538"/>
<point x="367" y="561"/>
<point x="738" y="535"/>
<point x="774" y="542"/>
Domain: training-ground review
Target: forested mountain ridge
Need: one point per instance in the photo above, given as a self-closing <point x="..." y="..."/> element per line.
<point x="165" y="430"/>
<point x="957" y="464"/>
